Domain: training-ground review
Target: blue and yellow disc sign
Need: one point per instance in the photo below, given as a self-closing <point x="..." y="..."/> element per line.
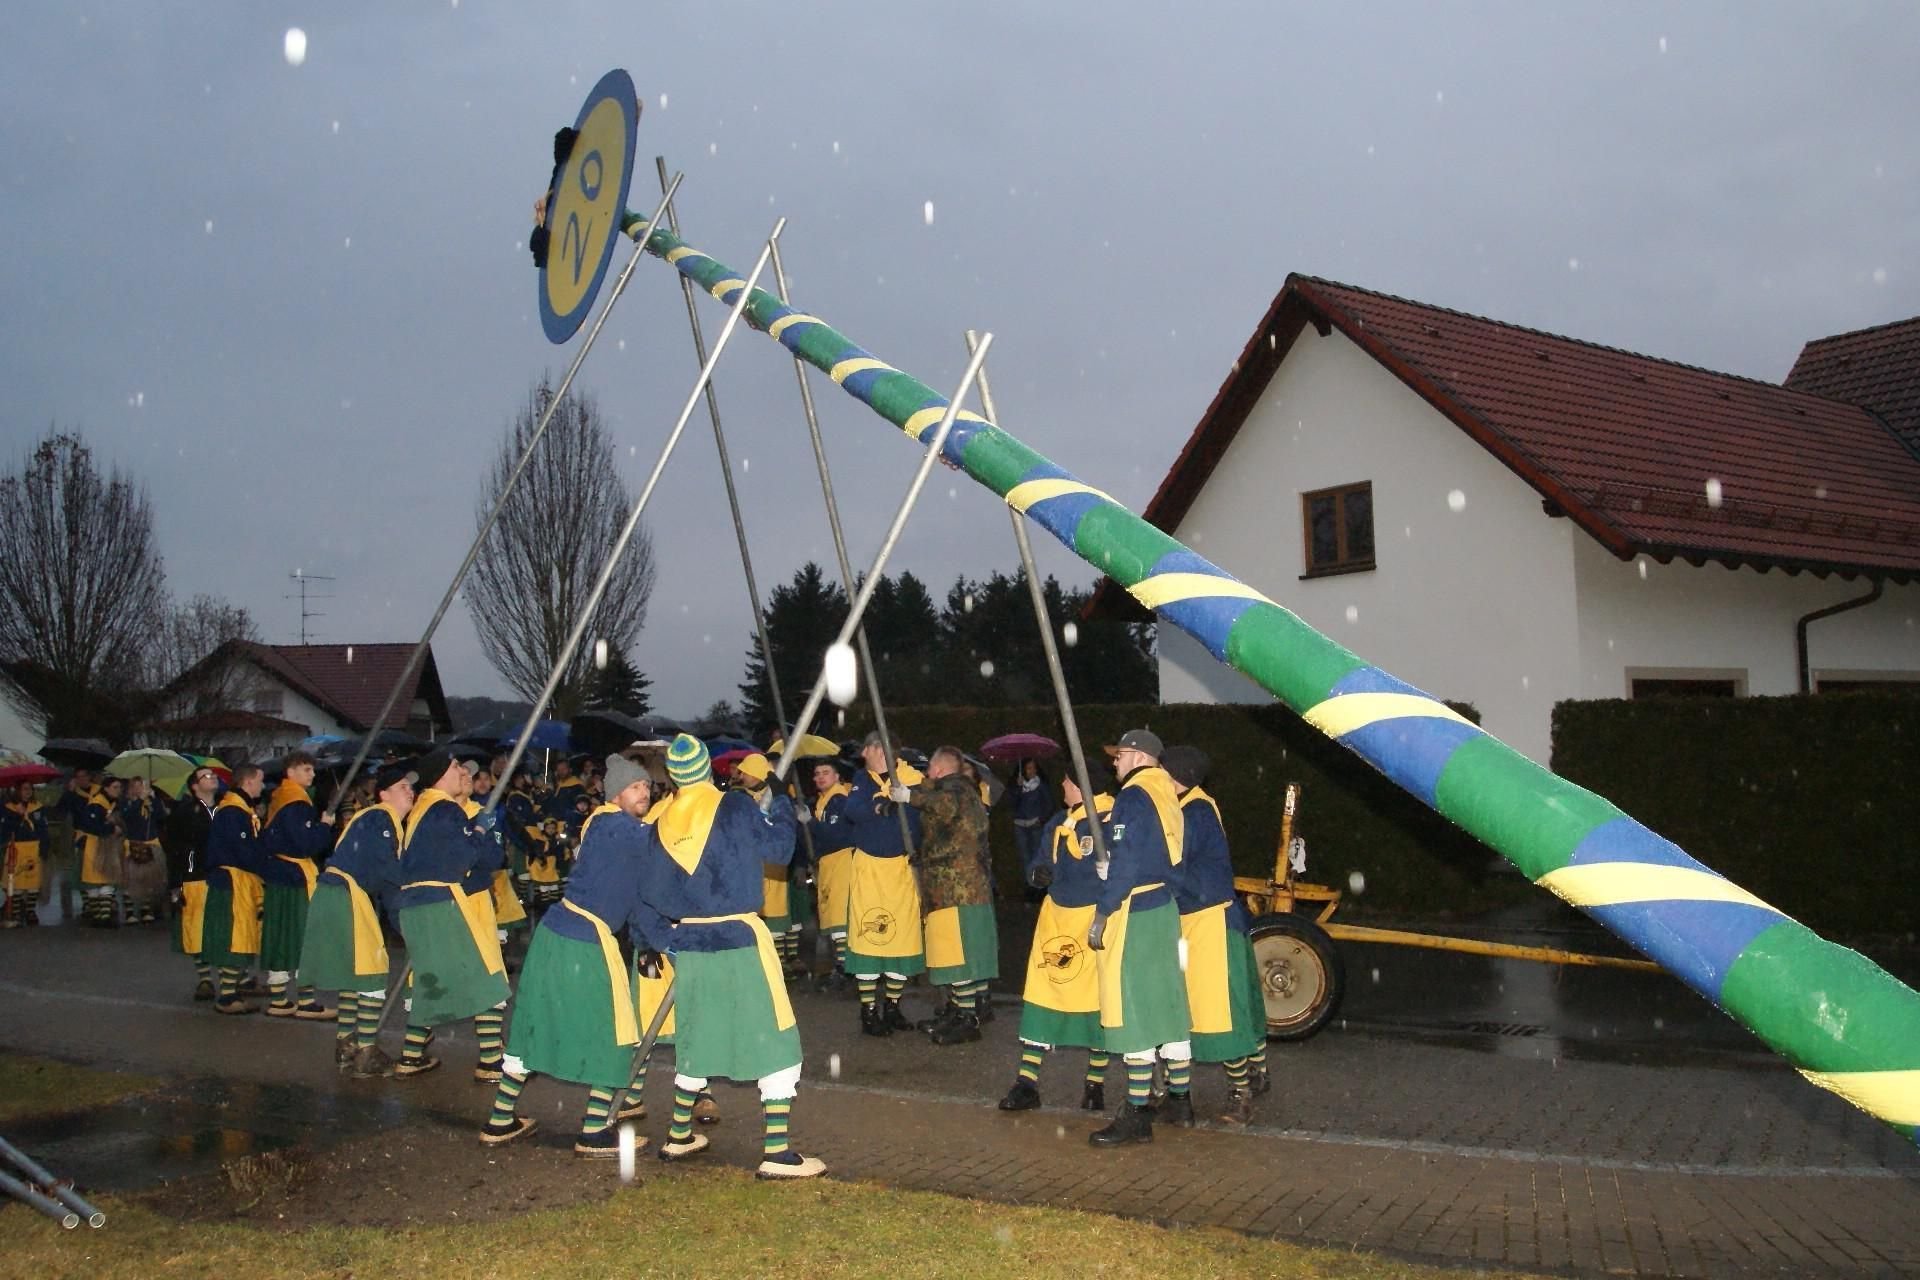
<point x="583" y="218"/>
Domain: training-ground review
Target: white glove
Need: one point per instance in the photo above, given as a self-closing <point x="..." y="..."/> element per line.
<point x="899" y="794"/>
<point x="802" y="814"/>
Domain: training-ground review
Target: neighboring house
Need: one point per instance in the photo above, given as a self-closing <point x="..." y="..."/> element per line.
<point x="1509" y="518"/>
<point x="252" y="701"/>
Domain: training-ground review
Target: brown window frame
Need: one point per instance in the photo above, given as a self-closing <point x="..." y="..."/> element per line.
<point x="1343" y="561"/>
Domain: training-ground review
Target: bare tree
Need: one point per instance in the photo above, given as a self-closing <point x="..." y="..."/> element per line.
<point x="541" y="558"/>
<point x="190" y="635"/>
<point x="81" y="587"/>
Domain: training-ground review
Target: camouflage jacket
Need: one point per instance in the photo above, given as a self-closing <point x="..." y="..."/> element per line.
<point x="953" y="847"/>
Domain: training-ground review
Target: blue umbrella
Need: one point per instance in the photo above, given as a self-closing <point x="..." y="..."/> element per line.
<point x="719" y="746"/>
<point x="319" y="742"/>
<point x="548" y="735"/>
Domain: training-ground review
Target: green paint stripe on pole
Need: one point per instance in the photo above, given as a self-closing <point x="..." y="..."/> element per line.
<point x="1825" y="1007"/>
<point x="1536" y="818"/>
<point x="1290" y="659"/>
<point x="998" y="461"/>
<point x="1120" y="542"/>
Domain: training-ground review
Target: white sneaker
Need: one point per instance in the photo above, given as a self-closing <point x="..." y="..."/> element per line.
<point x="791" y="1164"/>
<point x="694" y="1145"/>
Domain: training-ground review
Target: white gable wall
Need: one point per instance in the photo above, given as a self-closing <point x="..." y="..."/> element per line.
<point x="1476" y="605"/>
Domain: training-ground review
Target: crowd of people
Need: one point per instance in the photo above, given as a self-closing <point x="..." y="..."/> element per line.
<point x="645" y="904"/>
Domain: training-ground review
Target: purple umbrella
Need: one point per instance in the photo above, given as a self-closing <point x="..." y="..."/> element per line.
<point x="1011" y="747"/>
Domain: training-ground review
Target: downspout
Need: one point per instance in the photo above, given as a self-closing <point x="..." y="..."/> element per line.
<point x="1800" y="628"/>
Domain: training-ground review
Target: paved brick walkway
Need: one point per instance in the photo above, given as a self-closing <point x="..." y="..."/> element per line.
<point x="1522" y="1157"/>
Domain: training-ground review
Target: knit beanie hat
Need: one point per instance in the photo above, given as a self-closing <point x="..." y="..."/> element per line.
<point x="687" y="761"/>
<point x="622" y="773"/>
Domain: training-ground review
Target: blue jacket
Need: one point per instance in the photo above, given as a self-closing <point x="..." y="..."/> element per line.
<point x="606" y="880"/>
<point x="869" y="818"/>
<point x="441" y="844"/>
<point x="369" y="851"/>
<point x="1137" y="849"/>
<point x="295" y="830"/>
<point x="1032" y="803"/>
<point x="717" y="872"/>
<point x="1076" y="880"/>
<point x="1206" y="865"/>
<point x="233" y="841"/>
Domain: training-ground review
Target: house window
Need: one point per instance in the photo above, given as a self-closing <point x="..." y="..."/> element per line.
<point x="1339" y="529"/>
<point x="267" y="702"/>
<point x="1889" y="683"/>
<point x="1684" y="687"/>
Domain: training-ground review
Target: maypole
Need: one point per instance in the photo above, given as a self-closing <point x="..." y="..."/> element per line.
<point x="1841" y="1020"/>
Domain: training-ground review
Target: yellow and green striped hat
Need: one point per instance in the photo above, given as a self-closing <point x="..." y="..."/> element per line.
<point x="687" y="761"/>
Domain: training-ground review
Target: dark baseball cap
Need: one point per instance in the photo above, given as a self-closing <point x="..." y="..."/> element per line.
<point x="1145" y="741"/>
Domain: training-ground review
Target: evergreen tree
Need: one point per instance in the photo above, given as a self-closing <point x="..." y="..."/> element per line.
<point x="620" y="686"/>
<point x="802" y="617"/>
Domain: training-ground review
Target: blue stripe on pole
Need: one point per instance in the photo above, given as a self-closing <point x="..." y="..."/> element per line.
<point x="1412" y="750"/>
<point x="1697" y="942"/>
<point x="1624" y="840"/>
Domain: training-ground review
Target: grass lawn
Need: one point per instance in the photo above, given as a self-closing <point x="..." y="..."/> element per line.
<point x="32" y="1086"/>
<point x="713" y="1222"/>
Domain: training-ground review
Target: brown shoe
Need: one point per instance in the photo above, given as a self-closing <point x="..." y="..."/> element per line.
<point x="408" y="1068"/>
<point x="372" y="1063"/>
<point x="233" y="1006"/>
<point x="520" y="1128"/>
<point x="1239" y="1109"/>
<point x="313" y="1011"/>
<point x="706" y="1110"/>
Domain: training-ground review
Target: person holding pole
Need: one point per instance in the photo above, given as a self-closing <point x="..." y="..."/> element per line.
<point x="962" y="938"/>
<point x="447" y="861"/>
<point x="1229" y="1015"/>
<point x="297" y="836"/>
<point x="1136" y="933"/>
<point x="883" y="900"/>
<point x="343" y="949"/>
<point x="703" y="871"/>
<point x="236" y="876"/>
<point x="576" y="1016"/>
<point x="1061" y="1004"/>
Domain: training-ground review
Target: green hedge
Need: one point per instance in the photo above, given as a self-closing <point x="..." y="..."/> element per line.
<point x="1813" y="803"/>
<point x="1412" y="861"/>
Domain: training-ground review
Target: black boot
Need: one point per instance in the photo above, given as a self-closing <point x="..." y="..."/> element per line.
<point x="1022" y="1097"/>
<point x="959" y="1029"/>
<point x="1133" y="1124"/>
<point x="896" y="1020"/>
<point x="983" y="1008"/>
<point x="873" y="1020"/>
<point x="1094" y="1096"/>
<point x="941" y="1016"/>
<point x="1176" y="1109"/>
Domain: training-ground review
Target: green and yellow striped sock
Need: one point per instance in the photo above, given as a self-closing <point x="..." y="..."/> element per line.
<point x="599" y="1110"/>
<point x="345" y="1014"/>
<point x="1237" y="1073"/>
<point x="307" y="995"/>
<point x="229" y="983"/>
<point x="681" y="1127"/>
<point x="869" y="991"/>
<point x="840" y="951"/>
<point x="487" y="1031"/>
<point x="636" y="1094"/>
<point x="202" y="971"/>
<point x="417" y="1040"/>
<point x="1139" y="1082"/>
<point x="1259" y="1059"/>
<point x="366" y="1026"/>
<point x="963" y="994"/>
<point x="1179" y="1075"/>
<point x="896" y="987"/>
<point x="1097" y="1066"/>
<point x="506" y="1095"/>
<point x="777" y="1111"/>
<point x="1031" y="1056"/>
<point x="278" y="991"/>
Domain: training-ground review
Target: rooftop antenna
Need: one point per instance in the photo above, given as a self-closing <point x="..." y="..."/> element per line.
<point x="301" y="578"/>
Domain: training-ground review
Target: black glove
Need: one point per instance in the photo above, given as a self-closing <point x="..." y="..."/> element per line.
<point x="648" y="963"/>
<point x="1042" y="876"/>
<point x="1097" y="932"/>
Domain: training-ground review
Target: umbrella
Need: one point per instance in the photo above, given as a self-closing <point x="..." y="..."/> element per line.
<point x="605" y="731"/>
<point x="77" y="753"/>
<point x="398" y="741"/>
<point x="1011" y="747"/>
<point x="167" y="770"/>
<point x="719" y="746"/>
<point x="318" y="743"/>
<point x="809" y="746"/>
<point x="211" y="762"/>
<point x="995" y="787"/>
<point x="15" y="774"/>
<point x="548" y="735"/>
<point x="723" y="764"/>
<point x="489" y="734"/>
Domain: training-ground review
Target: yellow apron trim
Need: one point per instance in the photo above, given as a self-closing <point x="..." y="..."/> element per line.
<point x="945" y="945"/>
<point x="1062" y="974"/>
<point x="883" y="908"/>
<point x="506" y="905"/>
<point x="1113" y="957"/>
<point x="650" y="992"/>
<point x="307" y="869"/>
<point x="625" y="1011"/>
<point x="1339" y="716"/>
<point x="1209" y="1004"/>
<point x="248" y="896"/>
<point x="775" y="891"/>
<point x="1160" y="788"/>
<point x="478" y="910"/>
<point x="832" y="882"/>
<point x="1163" y="589"/>
<point x="769" y="962"/>
<point x="369" y="944"/>
<point x="193" y="916"/>
<point x="1606" y="884"/>
<point x="1894" y="1096"/>
<point x="687" y="823"/>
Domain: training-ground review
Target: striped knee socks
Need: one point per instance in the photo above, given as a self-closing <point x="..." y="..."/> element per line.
<point x="869" y="990"/>
<point x="366" y="1025"/>
<point x="681" y="1127"/>
<point x="1031" y="1056"/>
<point x="418" y="1038"/>
<point x="840" y="951"/>
<point x="1097" y="1066"/>
<point x="1139" y="1082"/>
<point x="487" y="1030"/>
<point x="506" y="1095"/>
<point x="346" y="1014"/>
<point x="776" y="1111"/>
<point x="599" y="1110"/>
<point x="1179" y="1075"/>
<point x="896" y="987"/>
<point x="1238" y="1072"/>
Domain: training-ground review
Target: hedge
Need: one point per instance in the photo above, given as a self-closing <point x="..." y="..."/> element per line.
<point x="1409" y="860"/>
<point x="1811" y="802"/>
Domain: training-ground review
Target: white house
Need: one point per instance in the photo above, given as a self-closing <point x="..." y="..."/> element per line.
<point x="1509" y="518"/>
<point x="255" y="701"/>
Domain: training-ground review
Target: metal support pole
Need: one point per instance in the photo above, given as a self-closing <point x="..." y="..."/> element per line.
<point x="67" y="1195"/>
<point x="1047" y="646"/>
<point x="886" y="549"/>
<point x="840" y="551"/>
<point x="733" y="498"/>
<point x="479" y="539"/>
<point x="33" y="1196"/>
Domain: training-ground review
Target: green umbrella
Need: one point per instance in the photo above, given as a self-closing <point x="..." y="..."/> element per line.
<point x="167" y="770"/>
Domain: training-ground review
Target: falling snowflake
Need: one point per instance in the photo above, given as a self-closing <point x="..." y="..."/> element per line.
<point x="1070" y="634"/>
<point x="926" y="213"/>
<point x="986" y="669"/>
<point x="295" y="46"/>
<point x="1663" y="44"/>
<point x="1353" y="613"/>
<point x="1357" y="881"/>
<point x="1713" y="492"/>
<point x="600" y="654"/>
<point x="1456" y="500"/>
<point x="663" y="102"/>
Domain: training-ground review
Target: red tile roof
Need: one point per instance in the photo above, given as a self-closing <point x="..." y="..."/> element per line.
<point x="353" y="680"/>
<point x="231" y="722"/>
<point x="1878" y="368"/>
<point x="1624" y="444"/>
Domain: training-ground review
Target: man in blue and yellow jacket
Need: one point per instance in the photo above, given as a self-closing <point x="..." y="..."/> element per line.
<point x="238" y="869"/>
<point x="297" y="835"/>
<point x="883" y="898"/>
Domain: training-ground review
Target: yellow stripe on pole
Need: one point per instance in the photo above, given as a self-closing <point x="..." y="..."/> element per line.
<point x="1894" y="1096"/>
<point x="1609" y="884"/>
<point x="1023" y="496"/>
<point x="677" y="256"/>
<point x="786" y="322"/>
<point x="1171" y="588"/>
<point x="1339" y="716"/>
<point x="724" y="287"/>
<point x="847" y="368"/>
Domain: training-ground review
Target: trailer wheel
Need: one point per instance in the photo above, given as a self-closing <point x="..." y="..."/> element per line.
<point x="1301" y="977"/>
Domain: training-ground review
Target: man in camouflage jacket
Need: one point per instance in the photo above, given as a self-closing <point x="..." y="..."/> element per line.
<point x="963" y="945"/>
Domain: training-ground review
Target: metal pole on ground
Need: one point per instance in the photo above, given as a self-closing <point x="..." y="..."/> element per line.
<point x="1082" y="777"/>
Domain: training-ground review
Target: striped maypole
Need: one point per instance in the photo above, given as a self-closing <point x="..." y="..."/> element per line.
<point x="1841" y="1020"/>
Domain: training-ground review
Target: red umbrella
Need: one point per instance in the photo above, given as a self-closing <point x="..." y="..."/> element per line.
<point x="724" y="762"/>
<point x="15" y="774"/>
<point x="1010" y="747"/>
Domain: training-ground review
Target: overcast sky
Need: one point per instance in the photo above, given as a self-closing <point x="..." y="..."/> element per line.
<point x="295" y="299"/>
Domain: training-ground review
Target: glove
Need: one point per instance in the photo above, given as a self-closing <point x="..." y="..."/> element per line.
<point x="1097" y="932"/>
<point x="899" y="794"/>
<point x="802" y="814"/>
<point x="648" y="963"/>
<point x="487" y="823"/>
<point x="1042" y="877"/>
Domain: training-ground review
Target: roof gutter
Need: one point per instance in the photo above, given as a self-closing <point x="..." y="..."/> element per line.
<point x="1800" y="628"/>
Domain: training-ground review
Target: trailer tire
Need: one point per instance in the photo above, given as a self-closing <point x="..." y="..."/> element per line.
<point x="1301" y="977"/>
